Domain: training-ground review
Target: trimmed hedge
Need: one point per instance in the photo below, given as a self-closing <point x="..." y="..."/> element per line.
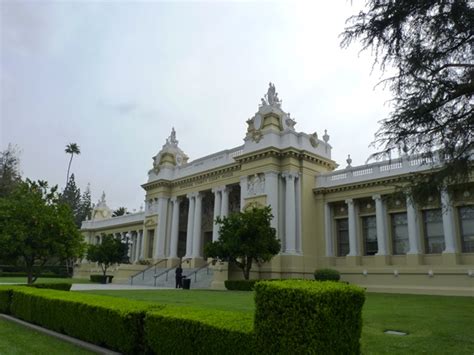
<point x="101" y="278"/>
<point x="5" y="298"/>
<point x="295" y="316"/>
<point x="106" y="321"/>
<point x="327" y="275"/>
<point x="61" y="286"/>
<point x="186" y="330"/>
<point x="240" y="285"/>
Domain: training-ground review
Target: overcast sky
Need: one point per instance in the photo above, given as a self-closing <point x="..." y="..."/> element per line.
<point x="115" y="76"/>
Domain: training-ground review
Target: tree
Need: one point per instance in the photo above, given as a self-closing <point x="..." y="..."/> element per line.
<point x="429" y="44"/>
<point x="245" y="237"/>
<point x="36" y="229"/>
<point x="111" y="251"/>
<point x="71" y="148"/>
<point x="121" y="211"/>
<point x="9" y="170"/>
<point x="80" y="204"/>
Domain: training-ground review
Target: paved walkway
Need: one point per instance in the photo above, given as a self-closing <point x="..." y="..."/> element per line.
<point x="86" y="287"/>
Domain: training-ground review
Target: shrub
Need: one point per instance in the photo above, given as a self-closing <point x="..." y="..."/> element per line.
<point x="296" y="316"/>
<point x="101" y="278"/>
<point x="327" y="275"/>
<point x="107" y="321"/>
<point x="5" y="298"/>
<point x="61" y="286"/>
<point x="240" y="285"/>
<point x="186" y="330"/>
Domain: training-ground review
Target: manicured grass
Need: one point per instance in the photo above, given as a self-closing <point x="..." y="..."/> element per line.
<point x="435" y="324"/>
<point x="17" y="339"/>
<point x="44" y="280"/>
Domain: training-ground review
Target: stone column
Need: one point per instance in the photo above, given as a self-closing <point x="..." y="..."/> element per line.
<point x="141" y="244"/>
<point x="299" y="247"/>
<point x="217" y="213"/>
<point x="137" y="247"/>
<point x="290" y="213"/>
<point x="271" y="189"/>
<point x="413" y="233"/>
<point x="175" y="228"/>
<point x="328" y="230"/>
<point x="189" y="232"/>
<point x="129" y="241"/>
<point x="197" y="226"/>
<point x="225" y="201"/>
<point x="381" y="226"/>
<point x="243" y="191"/>
<point x="161" y="230"/>
<point x="448" y="223"/>
<point x="353" y="251"/>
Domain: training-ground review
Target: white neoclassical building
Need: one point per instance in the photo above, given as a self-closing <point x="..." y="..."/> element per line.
<point x="352" y="219"/>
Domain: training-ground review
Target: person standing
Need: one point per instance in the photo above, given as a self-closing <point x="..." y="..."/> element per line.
<point x="179" y="276"/>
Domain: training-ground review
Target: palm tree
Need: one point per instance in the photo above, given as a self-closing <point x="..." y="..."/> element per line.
<point x="120" y="212"/>
<point x="71" y="148"/>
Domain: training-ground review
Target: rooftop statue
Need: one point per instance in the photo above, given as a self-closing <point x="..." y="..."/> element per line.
<point x="271" y="98"/>
<point x="172" y="138"/>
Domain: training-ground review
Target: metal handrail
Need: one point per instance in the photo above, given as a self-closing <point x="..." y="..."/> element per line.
<point x="162" y="273"/>
<point x="196" y="271"/>
<point x="143" y="271"/>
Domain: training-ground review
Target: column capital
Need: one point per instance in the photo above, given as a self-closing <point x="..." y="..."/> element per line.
<point x="216" y="189"/>
<point x="272" y="172"/>
<point x="376" y="197"/>
<point x="288" y="175"/>
<point x="349" y="201"/>
<point x="176" y="199"/>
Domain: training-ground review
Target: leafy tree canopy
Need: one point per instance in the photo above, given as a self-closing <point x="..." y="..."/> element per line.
<point x="429" y="43"/>
<point x="35" y="228"/>
<point x="121" y="211"/>
<point x="9" y="170"/>
<point x="245" y="237"/>
<point x="111" y="251"/>
<point x="80" y="204"/>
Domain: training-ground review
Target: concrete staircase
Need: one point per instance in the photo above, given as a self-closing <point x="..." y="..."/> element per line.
<point x="201" y="278"/>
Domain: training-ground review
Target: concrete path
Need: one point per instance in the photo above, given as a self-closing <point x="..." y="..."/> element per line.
<point x="87" y="287"/>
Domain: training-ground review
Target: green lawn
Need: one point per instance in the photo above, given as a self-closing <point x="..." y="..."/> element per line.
<point x="435" y="324"/>
<point x="17" y="339"/>
<point x="43" y="280"/>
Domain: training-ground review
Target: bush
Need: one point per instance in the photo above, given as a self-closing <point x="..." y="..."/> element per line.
<point x="101" y="278"/>
<point x="327" y="275"/>
<point x="185" y="330"/>
<point x="5" y="298"/>
<point x="61" y="286"/>
<point x="240" y="285"/>
<point x="106" y="321"/>
<point x="296" y="316"/>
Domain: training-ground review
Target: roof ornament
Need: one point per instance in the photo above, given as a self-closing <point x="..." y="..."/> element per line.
<point x="349" y="161"/>
<point x="171" y="140"/>
<point x="271" y="97"/>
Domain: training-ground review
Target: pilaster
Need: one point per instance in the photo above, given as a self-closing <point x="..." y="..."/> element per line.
<point x="197" y="226"/>
<point x="352" y="225"/>
<point x="190" y="228"/>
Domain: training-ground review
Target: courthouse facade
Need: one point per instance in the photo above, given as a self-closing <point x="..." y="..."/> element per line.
<point x="352" y="219"/>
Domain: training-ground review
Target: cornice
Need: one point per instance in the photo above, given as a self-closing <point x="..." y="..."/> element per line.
<point x="202" y="176"/>
<point x="285" y="153"/>
<point x="360" y="185"/>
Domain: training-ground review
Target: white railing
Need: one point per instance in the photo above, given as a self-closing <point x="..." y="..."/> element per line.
<point x="376" y="170"/>
<point x="114" y="221"/>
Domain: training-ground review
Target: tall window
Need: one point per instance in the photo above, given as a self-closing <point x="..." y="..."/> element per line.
<point x="400" y="241"/>
<point x="342" y="228"/>
<point x="466" y="217"/>
<point x="151" y="237"/>
<point x="434" y="235"/>
<point x="369" y="233"/>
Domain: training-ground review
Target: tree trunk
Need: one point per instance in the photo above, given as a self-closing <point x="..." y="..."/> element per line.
<point x="68" y="168"/>
<point x="29" y="273"/>
<point x="247" y="266"/>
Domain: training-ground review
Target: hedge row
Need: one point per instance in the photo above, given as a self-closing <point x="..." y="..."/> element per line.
<point x="295" y="316"/>
<point x="106" y="321"/>
<point x="61" y="286"/>
<point x="240" y="285"/>
<point x="185" y="330"/>
<point x="292" y="316"/>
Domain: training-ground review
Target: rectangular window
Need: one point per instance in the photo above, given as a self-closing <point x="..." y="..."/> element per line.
<point x="434" y="235"/>
<point x="369" y="233"/>
<point x="400" y="241"/>
<point x="466" y="217"/>
<point x="342" y="228"/>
